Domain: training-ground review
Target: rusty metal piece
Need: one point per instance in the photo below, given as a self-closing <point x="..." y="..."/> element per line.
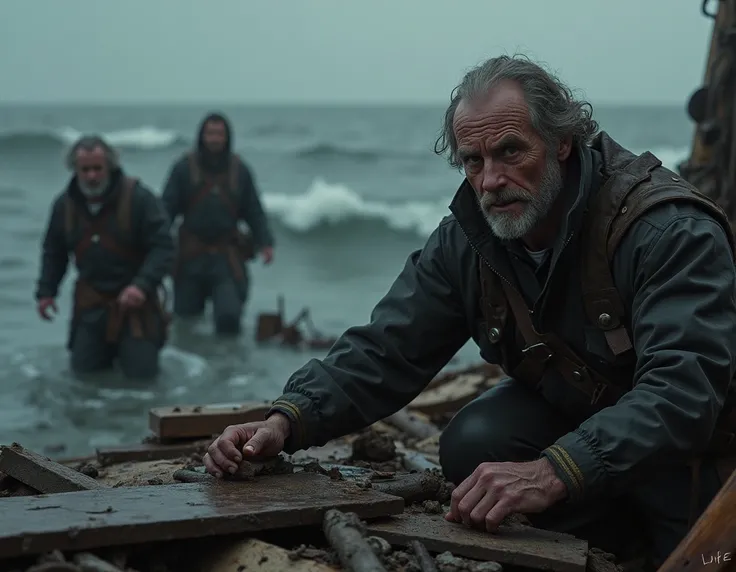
<point x="200" y="421"/>
<point x="150" y="452"/>
<point x="130" y="515"/>
<point x="346" y="534"/>
<point x="424" y="558"/>
<point x="42" y="474"/>
<point x="273" y="327"/>
<point x="516" y="546"/>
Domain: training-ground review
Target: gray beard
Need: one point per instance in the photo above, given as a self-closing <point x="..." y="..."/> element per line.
<point x="93" y="192"/>
<point x="510" y="226"/>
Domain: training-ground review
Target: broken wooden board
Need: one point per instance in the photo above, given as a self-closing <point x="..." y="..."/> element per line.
<point x="150" y="452"/>
<point x="711" y="542"/>
<point x="202" y="421"/>
<point x="253" y="555"/>
<point x="131" y="515"/>
<point x="451" y="396"/>
<point x="42" y="474"/>
<point x="517" y="545"/>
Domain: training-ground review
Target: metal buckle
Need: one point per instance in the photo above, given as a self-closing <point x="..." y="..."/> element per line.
<point x="539" y="352"/>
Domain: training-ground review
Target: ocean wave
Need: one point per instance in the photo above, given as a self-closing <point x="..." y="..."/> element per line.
<point x="333" y="151"/>
<point x="144" y="138"/>
<point x="326" y="205"/>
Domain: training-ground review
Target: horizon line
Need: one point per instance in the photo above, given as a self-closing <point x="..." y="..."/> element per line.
<point x="224" y="103"/>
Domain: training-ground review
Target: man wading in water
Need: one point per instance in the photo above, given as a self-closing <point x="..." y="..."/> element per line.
<point x="600" y="281"/>
<point x="119" y="235"/>
<point x="213" y="189"/>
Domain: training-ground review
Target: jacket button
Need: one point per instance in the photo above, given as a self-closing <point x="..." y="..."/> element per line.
<point x="577" y="376"/>
<point x="604" y="320"/>
<point x="494" y="334"/>
<point x="95" y="238"/>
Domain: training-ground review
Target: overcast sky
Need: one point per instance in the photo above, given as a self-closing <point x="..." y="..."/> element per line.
<point x="622" y="51"/>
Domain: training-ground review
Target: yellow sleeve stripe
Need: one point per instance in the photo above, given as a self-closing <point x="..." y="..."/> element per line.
<point x="297" y="415"/>
<point x="568" y="465"/>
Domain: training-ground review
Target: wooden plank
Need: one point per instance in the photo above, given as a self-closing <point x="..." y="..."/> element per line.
<point x="130" y="515"/>
<point x="43" y="474"/>
<point x="516" y="545"/>
<point x="711" y="542"/>
<point x="451" y="396"/>
<point x="253" y="555"/>
<point x="150" y="452"/>
<point x="201" y="421"/>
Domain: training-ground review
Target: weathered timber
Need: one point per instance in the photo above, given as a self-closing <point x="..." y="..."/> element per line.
<point x="451" y="396"/>
<point x="711" y="541"/>
<point x="412" y="424"/>
<point x="255" y="555"/>
<point x="189" y="476"/>
<point x="130" y="515"/>
<point x="413" y="487"/>
<point x="424" y="558"/>
<point x="201" y="421"/>
<point x="42" y="474"/>
<point x="346" y="534"/>
<point x="517" y="546"/>
<point x="150" y="452"/>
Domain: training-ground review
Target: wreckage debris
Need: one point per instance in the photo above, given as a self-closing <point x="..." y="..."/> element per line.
<point x="203" y="421"/>
<point x="272" y="327"/>
<point x="346" y="534"/>
<point x="409" y="507"/>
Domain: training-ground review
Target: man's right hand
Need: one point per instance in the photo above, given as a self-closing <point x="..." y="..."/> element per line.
<point x="44" y="306"/>
<point x="259" y="438"/>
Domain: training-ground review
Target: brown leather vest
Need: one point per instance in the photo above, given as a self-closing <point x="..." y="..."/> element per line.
<point x="628" y="191"/>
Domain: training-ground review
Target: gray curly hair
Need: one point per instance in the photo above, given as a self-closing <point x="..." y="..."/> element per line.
<point x="90" y="143"/>
<point x="554" y="112"/>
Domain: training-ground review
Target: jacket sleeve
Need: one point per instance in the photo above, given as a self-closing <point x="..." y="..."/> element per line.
<point x="155" y="239"/>
<point x="174" y="193"/>
<point x="375" y="369"/>
<point x="251" y="209"/>
<point x="55" y="253"/>
<point x="681" y="282"/>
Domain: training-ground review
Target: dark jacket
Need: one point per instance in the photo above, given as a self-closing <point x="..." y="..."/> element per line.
<point x="211" y="219"/>
<point x="675" y="272"/>
<point x="102" y="268"/>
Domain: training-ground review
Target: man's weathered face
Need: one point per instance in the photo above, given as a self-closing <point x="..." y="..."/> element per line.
<point x="515" y="176"/>
<point x="214" y="136"/>
<point x="92" y="170"/>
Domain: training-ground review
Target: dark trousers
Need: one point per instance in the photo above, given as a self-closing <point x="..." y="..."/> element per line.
<point x="138" y="358"/>
<point x="512" y="423"/>
<point x="211" y="277"/>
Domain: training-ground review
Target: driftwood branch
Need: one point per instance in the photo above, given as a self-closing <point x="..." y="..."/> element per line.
<point x="346" y="534"/>
<point x="424" y="558"/>
<point x="413" y="487"/>
<point x="412" y="425"/>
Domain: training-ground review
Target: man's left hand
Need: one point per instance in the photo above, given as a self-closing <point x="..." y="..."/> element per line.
<point x="267" y="254"/>
<point x="132" y="297"/>
<point x="496" y="490"/>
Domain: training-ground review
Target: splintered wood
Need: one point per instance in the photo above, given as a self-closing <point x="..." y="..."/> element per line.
<point x="517" y="545"/>
<point x="201" y="421"/>
<point x="711" y="542"/>
<point x="42" y="474"/>
<point x="131" y="515"/>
